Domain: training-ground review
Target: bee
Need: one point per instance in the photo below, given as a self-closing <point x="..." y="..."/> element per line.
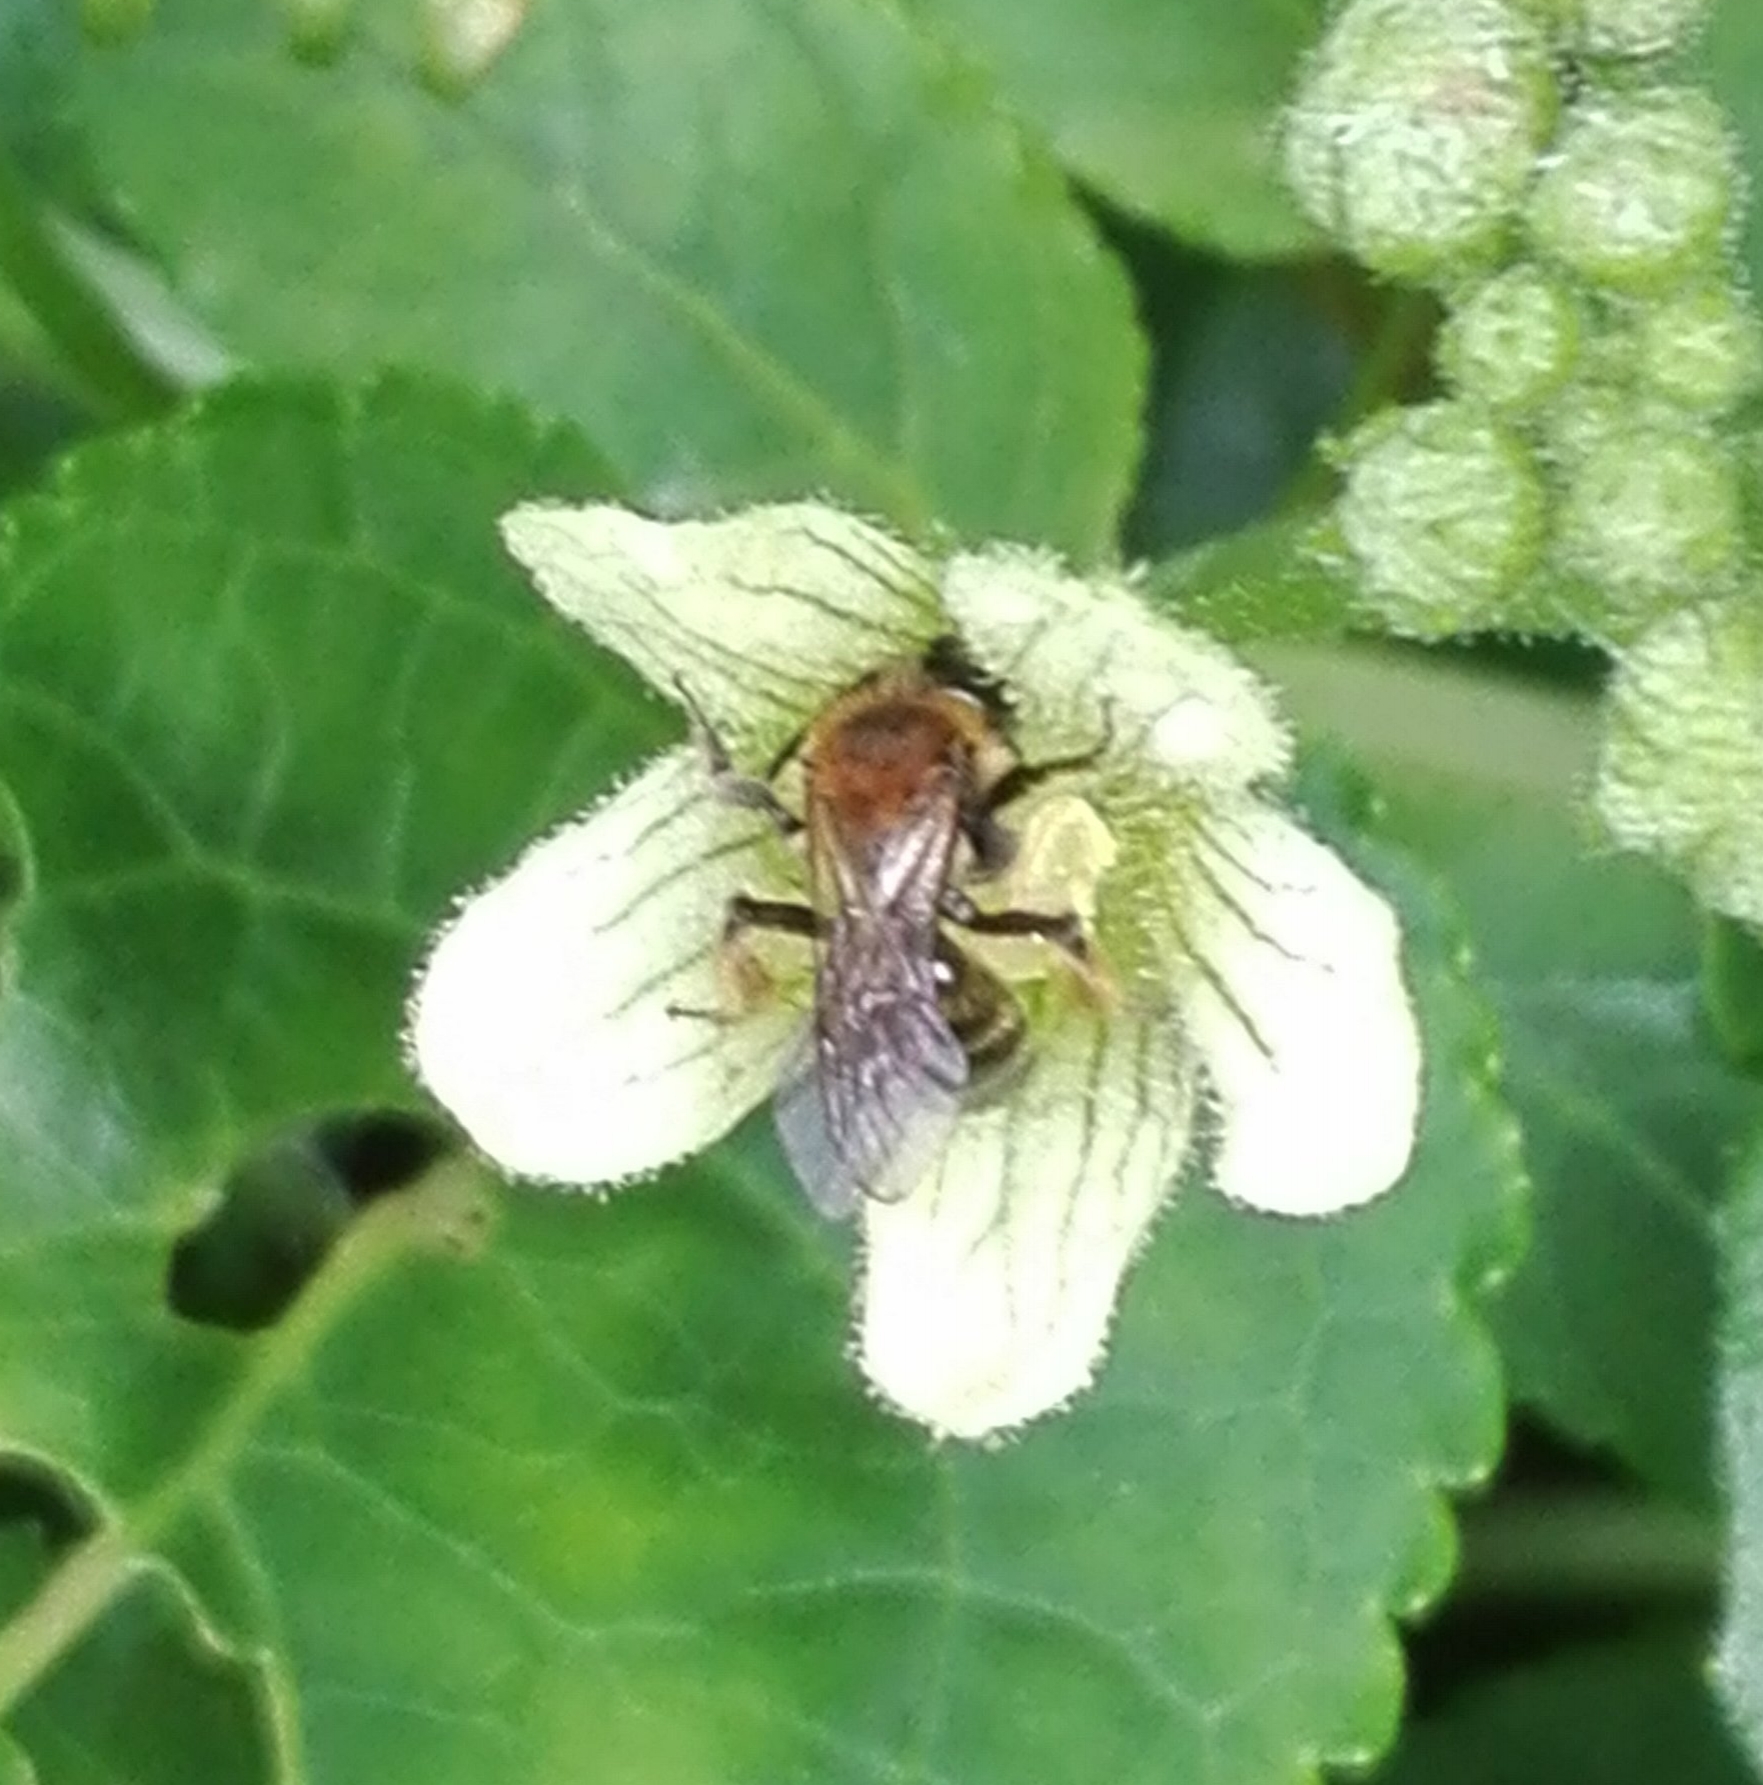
<point x="904" y="777"/>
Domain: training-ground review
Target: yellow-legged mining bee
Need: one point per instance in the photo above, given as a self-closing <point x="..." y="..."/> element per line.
<point x="904" y="775"/>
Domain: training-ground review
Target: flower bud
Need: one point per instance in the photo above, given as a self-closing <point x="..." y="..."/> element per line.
<point x="318" y="30"/>
<point x="1585" y="416"/>
<point x="1638" y="27"/>
<point x="1639" y="192"/>
<point x="1681" y="769"/>
<point x="1703" y="349"/>
<point x="1652" y="513"/>
<point x="1443" y="511"/>
<point x="462" y="38"/>
<point x="1414" y="132"/>
<point x="1512" y="341"/>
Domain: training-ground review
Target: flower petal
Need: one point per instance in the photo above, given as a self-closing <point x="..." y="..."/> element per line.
<point x="1077" y="645"/>
<point x="764" y="613"/>
<point x="1302" y="1020"/>
<point x="988" y="1292"/>
<point x="542" y="1018"/>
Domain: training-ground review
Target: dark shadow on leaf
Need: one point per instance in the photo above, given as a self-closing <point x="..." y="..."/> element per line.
<point x="16" y="872"/>
<point x="1489" y="1625"/>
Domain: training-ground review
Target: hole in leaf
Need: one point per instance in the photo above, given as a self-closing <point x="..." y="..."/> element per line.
<point x="285" y="1208"/>
<point x="34" y="1495"/>
<point x="381" y="1150"/>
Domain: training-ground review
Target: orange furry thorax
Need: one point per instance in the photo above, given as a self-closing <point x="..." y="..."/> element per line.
<point x="881" y="749"/>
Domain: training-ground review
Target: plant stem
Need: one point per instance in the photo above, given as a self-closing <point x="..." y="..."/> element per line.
<point x="1599" y="1546"/>
<point x="101" y="1567"/>
<point x="1425" y="712"/>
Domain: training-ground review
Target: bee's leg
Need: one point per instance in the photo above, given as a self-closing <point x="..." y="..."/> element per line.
<point x="731" y="785"/>
<point x="1063" y="930"/>
<point x="1026" y="776"/>
<point x="747" y="913"/>
<point x="743" y="978"/>
<point x="993" y="846"/>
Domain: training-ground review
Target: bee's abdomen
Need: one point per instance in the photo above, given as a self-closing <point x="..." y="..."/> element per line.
<point x="980" y="1008"/>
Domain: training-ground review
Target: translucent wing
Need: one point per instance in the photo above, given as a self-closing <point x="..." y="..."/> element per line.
<point x="869" y="1099"/>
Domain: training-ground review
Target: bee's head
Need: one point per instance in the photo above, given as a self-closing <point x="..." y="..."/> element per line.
<point x="947" y="663"/>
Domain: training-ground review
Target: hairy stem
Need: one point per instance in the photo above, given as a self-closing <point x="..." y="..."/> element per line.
<point x="1385" y="371"/>
<point x="1424" y="712"/>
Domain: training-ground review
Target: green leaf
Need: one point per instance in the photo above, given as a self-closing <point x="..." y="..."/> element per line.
<point x="1630" y="1117"/>
<point x="1740" y="1670"/>
<point x="1632" y="1712"/>
<point x="149" y="1700"/>
<point x="36" y="63"/>
<point x="753" y="249"/>
<point x="1167" y="110"/>
<point x="598" y="1494"/>
<point x="37" y="418"/>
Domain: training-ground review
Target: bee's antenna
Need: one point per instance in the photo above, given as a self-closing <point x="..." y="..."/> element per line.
<point x="731" y="786"/>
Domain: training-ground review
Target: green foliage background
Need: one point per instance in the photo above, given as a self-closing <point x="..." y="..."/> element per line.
<point x="529" y="1487"/>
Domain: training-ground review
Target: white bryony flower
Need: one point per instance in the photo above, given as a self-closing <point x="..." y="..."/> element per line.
<point x="576" y="1015"/>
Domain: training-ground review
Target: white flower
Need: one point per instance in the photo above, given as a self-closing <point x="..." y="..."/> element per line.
<point x="1243" y="961"/>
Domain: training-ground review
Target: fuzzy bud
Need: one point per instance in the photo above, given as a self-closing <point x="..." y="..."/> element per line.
<point x="463" y="38"/>
<point x="1586" y="415"/>
<point x="1638" y="194"/>
<point x="1703" y="349"/>
<point x="1638" y="27"/>
<point x="1652" y="514"/>
<point x="1681" y="772"/>
<point x="1414" y="132"/>
<point x="1512" y="341"/>
<point x="1443" y="511"/>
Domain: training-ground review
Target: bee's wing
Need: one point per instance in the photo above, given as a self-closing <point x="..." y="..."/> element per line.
<point x="869" y="1099"/>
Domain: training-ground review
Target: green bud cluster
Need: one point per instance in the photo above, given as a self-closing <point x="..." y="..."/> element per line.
<point x="1583" y="470"/>
<point x="1594" y="463"/>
